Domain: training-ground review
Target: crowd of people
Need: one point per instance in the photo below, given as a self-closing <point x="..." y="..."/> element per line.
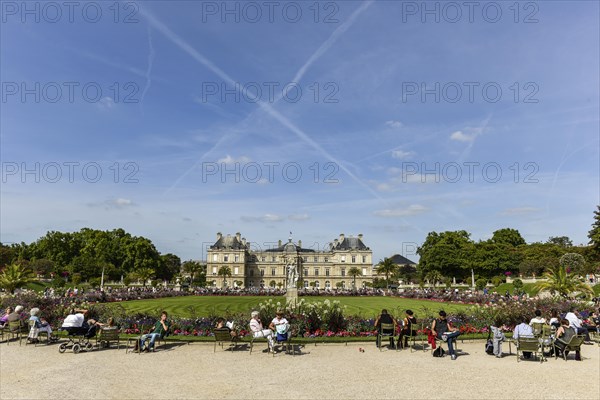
<point x="562" y="330"/>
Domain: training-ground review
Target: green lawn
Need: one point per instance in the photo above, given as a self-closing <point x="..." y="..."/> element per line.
<point x="218" y="305"/>
<point x="528" y="288"/>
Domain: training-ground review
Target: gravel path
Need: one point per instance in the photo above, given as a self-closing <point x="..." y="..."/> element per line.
<point x="330" y="371"/>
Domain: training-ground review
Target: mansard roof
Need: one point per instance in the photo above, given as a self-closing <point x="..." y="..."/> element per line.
<point x="350" y="243"/>
<point x="401" y="260"/>
<point x="289" y="247"/>
<point x="229" y="242"/>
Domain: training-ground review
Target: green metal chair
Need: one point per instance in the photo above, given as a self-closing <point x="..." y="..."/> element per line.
<point x="386" y="331"/>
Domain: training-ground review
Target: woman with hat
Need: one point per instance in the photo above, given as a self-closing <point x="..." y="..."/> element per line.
<point x="39" y="325"/>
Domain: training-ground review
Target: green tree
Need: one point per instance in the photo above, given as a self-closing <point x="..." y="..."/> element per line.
<point x="8" y="254"/>
<point x="15" y="276"/>
<point x="41" y="266"/>
<point x="480" y="283"/>
<point x="518" y="284"/>
<point x="508" y="236"/>
<point x="448" y="253"/>
<point x="144" y="274"/>
<point x="434" y="277"/>
<point x="573" y="262"/>
<point x="489" y="258"/>
<point x="387" y="268"/>
<point x="168" y="266"/>
<point x="354" y="272"/>
<point x="559" y="281"/>
<point x="225" y="272"/>
<point x="192" y="267"/>
<point x="562" y="241"/>
<point x="594" y="236"/>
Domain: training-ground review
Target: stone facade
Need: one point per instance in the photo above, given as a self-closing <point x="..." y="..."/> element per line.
<point x="321" y="269"/>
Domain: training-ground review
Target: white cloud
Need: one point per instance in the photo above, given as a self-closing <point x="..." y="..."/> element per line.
<point x="401" y="154"/>
<point x="413" y="209"/>
<point x="122" y="202"/>
<point x="106" y="103"/>
<point x="459" y="136"/>
<point x="394" y="124"/>
<point x="231" y="160"/>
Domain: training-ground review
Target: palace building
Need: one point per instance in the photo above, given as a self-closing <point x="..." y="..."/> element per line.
<point x="346" y="259"/>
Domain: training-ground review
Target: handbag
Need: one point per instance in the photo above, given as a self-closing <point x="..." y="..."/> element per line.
<point x="439" y="352"/>
<point x="489" y="344"/>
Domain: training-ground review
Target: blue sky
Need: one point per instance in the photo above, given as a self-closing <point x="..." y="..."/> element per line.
<point x="394" y="121"/>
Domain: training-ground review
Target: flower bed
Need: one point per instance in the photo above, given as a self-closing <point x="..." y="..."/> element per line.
<point x="324" y="319"/>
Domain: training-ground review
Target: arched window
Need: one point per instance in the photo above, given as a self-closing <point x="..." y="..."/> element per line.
<point x="327" y="285"/>
<point x="317" y="284"/>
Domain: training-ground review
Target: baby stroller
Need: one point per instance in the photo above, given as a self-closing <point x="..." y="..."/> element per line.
<point x="78" y="339"/>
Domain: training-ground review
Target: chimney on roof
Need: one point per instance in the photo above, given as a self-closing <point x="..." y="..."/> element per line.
<point x="238" y="236"/>
<point x="279" y="243"/>
<point x="219" y="235"/>
<point x="244" y="241"/>
<point x="360" y="236"/>
<point x="341" y="237"/>
<point x="300" y="243"/>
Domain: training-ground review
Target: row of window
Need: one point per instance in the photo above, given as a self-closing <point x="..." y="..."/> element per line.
<point x="316" y="271"/>
<point x="236" y="258"/>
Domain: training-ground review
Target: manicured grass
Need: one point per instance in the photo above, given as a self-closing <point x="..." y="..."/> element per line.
<point x="528" y="288"/>
<point x="201" y="306"/>
<point x="37" y="286"/>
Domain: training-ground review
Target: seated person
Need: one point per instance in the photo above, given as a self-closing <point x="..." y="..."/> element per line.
<point x="442" y="329"/>
<point x="407" y="328"/>
<point x="385" y="318"/>
<point x="554" y="319"/>
<point x="4" y="318"/>
<point x="592" y="322"/>
<point x="280" y="325"/>
<point x="39" y="325"/>
<point x="258" y="331"/>
<point x="575" y="322"/>
<point x="564" y="334"/>
<point x="538" y="319"/>
<point x="221" y="324"/>
<point x="523" y="330"/>
<point x="17" y="315"/>
<point x="161" y="328"/>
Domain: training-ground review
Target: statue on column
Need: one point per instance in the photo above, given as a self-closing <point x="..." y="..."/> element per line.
<point x="292" y="272"/>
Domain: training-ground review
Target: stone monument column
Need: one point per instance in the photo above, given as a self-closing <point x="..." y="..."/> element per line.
<point x="292" y="274"/>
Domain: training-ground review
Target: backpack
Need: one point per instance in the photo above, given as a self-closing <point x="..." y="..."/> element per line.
<point x="439" y="352"/>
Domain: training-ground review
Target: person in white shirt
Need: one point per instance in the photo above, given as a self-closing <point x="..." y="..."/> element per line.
<point x="575" y="322"/>
<point x="523" y="330"/>
<point x="538" y="319"/>
<point x="280" y="325"/>
<point x="258" y="331"/>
